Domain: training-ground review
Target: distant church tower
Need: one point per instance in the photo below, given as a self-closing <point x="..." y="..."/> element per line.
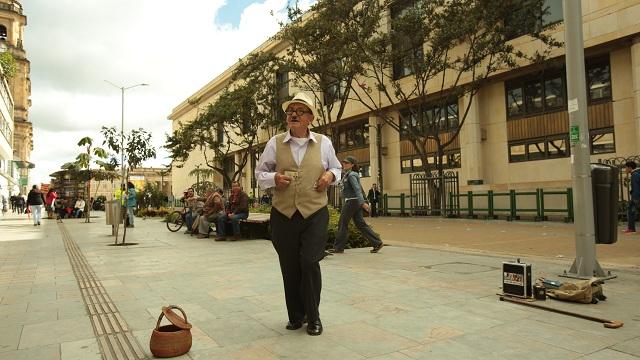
<point x="12" y="23"/>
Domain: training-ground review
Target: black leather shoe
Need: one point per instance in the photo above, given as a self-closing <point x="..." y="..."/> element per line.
<point x="295" y="325"/>
<point x="314" y="328"/>
<point x="377" y="248"/>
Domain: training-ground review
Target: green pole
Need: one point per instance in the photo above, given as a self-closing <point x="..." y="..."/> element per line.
<point x="512" y="205"/>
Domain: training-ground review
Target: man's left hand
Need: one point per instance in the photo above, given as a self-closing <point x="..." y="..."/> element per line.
<point x="324" y="181"/>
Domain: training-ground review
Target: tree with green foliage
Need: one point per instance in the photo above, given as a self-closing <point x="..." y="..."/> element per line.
<point x="81" y="169"/>
<point x="321" y="52"/>
<point x="418" y="59"/>
<point x="136" y="147"/>
<point x="436" y="53"/>
<point x="234" y="121"/>
<point x="151" y="196"/>
<point x="8" y="64"/>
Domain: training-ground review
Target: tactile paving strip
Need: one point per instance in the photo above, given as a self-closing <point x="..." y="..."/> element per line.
<point x="114" y="337"/>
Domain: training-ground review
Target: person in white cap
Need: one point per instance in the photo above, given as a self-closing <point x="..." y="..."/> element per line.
<point x="299" y="165"/>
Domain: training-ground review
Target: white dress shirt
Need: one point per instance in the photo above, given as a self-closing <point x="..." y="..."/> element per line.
<point x="266" y="168"/>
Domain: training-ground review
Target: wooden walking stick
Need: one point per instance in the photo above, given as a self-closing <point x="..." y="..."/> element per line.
<point x="610" y="324"/>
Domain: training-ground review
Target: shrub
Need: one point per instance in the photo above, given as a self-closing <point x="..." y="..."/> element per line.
<point x="354" y="240"/>
<point x="163" y="211"/>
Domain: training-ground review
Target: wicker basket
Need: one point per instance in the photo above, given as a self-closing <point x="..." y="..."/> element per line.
<point x="171" y="340"/>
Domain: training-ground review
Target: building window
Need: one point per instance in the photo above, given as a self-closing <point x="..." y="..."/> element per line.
<point x="557" y="148"/>
<point x="450" y="160"/>
<point x="282" y="83"/>
<point x="550" y="13"/>
<point x="3" y="32"/>
<point x="539" y="149"/>
<point x="335" y="91"/>
<point x="517" y="153"/>
<point x="406" y="49"/>
<point x="527" y="96"/>
<point x="353" y="136"/>
<point x="515" y="101"/>
<point x="365" y="169"/>
<point x="442" y="119"/>
<point x="599" y="81"/>
<point x="554" y="93"/>
<point x="282" y="92"/>
<point x="602" y="141"/>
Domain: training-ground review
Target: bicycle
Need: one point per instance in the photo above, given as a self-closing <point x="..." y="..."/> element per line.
<point x="175" y="220"/>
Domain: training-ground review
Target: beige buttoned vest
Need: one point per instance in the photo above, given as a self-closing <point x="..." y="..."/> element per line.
<point x="300" y="194"/>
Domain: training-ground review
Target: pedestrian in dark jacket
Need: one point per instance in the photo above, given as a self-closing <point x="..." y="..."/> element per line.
<point x="634" y="195"/>
<point x="374" y="198"/>
<point x="354" y="204"/>
<point x="35" y="200"/>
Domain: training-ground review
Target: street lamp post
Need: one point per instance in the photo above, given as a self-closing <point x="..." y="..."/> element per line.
<point x="122" y="90"/>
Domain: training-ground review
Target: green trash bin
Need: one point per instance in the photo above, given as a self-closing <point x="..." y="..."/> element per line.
<point x="604" y="180"/>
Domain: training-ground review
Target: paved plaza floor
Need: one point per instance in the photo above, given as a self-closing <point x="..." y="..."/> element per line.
<point x="66" y="294"/>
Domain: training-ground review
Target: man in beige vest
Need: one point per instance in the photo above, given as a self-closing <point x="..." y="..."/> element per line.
<point x="299" y="165"/>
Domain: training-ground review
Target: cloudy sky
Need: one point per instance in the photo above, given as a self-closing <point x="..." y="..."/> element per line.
<point x="174" y="46"/>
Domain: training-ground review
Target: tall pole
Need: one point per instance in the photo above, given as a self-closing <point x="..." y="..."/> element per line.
<point x="122" y="174"/>
<point x="585" y="264"/>
<point x="379" y="146"/>
<point x="122" y="141"/>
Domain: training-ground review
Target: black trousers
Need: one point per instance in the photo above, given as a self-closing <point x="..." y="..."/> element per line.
<point x="374" y="208"/>
<point x="300" y="244"/>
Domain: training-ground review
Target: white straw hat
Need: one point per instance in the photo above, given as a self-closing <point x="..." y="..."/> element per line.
<point x="302" y="98"/>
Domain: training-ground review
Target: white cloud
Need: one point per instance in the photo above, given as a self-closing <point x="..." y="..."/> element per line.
<point x="176" y="47"/>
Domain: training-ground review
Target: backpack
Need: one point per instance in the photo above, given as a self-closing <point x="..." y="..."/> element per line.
<point x="586" y="291"/>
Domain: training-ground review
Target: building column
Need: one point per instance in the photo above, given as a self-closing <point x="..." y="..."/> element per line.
<point x="635" y="74"/>
<point x="471" y="142"/>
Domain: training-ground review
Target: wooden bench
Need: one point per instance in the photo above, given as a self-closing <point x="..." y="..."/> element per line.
<point x="256" y="226"/>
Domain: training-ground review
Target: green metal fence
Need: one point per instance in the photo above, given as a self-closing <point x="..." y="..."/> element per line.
<point x="516" y="204"/>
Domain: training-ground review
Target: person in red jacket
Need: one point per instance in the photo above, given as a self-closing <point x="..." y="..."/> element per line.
<point x="49" y="202"/>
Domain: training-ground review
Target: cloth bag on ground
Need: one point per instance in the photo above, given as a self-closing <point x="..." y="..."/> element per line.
<point x="585" y="291"/>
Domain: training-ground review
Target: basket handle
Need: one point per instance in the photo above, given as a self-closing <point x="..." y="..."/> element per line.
<point x="159" y="319"/>
<point x="169" y="308"/>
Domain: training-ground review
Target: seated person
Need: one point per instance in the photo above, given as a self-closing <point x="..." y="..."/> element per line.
<point x="189" y="200"/>
<point x="60" y="208"/>
<point x="78" y="208"/>
<point x="212" y="209"/>
<point x="238" y="210"/>
<point x="197" y="210"/>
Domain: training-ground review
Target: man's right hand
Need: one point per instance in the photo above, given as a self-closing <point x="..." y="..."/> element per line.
<point x="282" y="181"/>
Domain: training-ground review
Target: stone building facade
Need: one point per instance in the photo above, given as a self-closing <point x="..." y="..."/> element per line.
<point x="12" y="25"/>
<point x="516" y="134"/>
